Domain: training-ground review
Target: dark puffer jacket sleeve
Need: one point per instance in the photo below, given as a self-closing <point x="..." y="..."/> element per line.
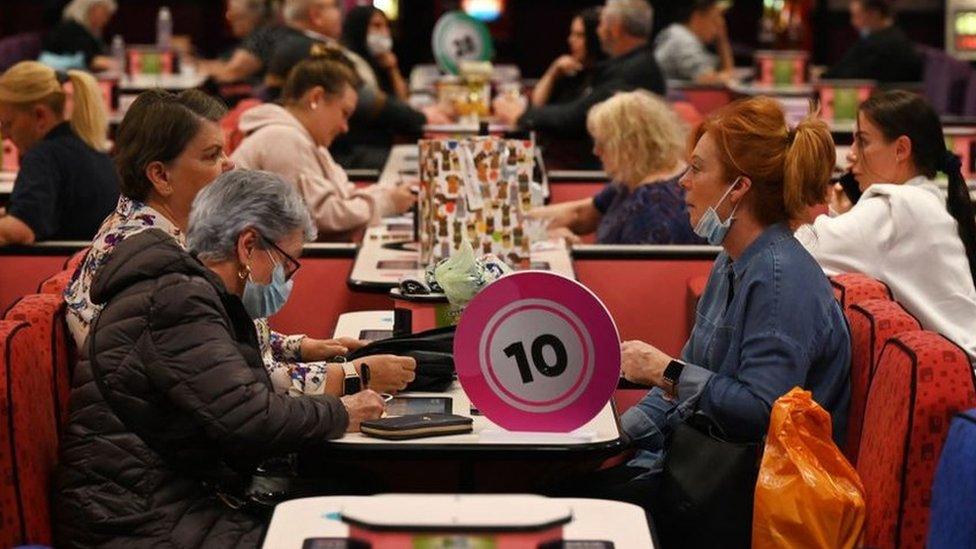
<point x="203" y="372"/>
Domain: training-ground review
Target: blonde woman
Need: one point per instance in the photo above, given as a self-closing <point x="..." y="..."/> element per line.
<point x="66" y="184"/>
<point x="639" y="140"/>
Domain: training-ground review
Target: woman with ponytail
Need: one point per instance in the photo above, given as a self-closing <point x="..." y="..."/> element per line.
<point x="749" y="176"/>
<point x="66" y="184"/>
<point x="905" y="230"/>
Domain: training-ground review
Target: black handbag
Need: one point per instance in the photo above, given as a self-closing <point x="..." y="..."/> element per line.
<point x="707" y="487"/>
<point x="433" y="350"/>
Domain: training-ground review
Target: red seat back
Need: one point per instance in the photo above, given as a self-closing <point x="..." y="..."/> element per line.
<point x="872" y="323"/>
<point x="56" y="283"/>
<point x="921" y="382"/>
<point x="32" y="431"/>
<point x="851" y="288"/>
<point x="52" y="350"/>
<point x="12" y="347"/>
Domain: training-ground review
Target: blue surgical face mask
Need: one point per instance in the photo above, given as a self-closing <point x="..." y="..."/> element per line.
<point x="710" y="227"/>
<point x="264" y="300"/>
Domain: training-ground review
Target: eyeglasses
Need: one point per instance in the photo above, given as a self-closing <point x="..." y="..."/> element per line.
<point x="293" y="264"/>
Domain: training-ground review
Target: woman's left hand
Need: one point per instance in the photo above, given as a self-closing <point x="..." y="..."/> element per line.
<point x="643" y="363"/>
<point x="315" y="350"/>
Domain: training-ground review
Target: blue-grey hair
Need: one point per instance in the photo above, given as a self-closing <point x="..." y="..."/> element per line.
<point x="636" y="16"/>
<point x="240" y="200"/>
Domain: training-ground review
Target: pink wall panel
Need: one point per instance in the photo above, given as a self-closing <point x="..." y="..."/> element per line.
<point x="21" y="275"/>
<point x="565" y="191"/>
<point x="645" y="297"/>
<point x="320" y="295"/>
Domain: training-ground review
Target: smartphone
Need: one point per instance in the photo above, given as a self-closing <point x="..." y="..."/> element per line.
<point x="850" y="186"/>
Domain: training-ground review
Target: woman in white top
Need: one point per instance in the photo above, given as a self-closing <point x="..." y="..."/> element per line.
<point x="292" y="140"/>
<point x="905" y="230"/>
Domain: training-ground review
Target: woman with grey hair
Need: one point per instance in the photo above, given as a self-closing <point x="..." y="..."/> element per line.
<point x="172" y="409"/>
<point x="80" y="32"/>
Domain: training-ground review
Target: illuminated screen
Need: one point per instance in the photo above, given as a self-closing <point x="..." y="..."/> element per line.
<point x="965" y="30"/>
<point x="483" y="10"/>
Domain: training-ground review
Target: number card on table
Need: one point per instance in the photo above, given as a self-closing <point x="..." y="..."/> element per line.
<point x="536" y="351"/>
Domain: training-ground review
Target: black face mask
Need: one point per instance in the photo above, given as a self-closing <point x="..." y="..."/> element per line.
<point x="851" y="188"/>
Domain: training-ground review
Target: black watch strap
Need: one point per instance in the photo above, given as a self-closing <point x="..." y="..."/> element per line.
<point x="672" y="374"/>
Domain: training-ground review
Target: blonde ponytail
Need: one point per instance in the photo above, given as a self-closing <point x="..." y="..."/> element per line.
<point x="28" y="83"/>
<point x="88" y="118"/>
<point x="809" y="163"/>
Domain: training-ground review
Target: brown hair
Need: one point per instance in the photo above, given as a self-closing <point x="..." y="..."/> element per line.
<point x="789" y="169"/>
<point x="327" y="67"/>
<point x="156" y="128"/>
<point x="29" y="83"/>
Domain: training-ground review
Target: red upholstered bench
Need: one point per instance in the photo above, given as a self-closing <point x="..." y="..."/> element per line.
<point x="850" y="288"/>
<point x="53" y="348"/>
<point x="29" y="448"/>
<point x="921" y="382"/>
<point x="872" y="323"/>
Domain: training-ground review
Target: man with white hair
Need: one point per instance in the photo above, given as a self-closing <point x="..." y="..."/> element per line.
<point x="80" y="32"/>
<point x="309" y="22"/>
<point x="624" y="31"/>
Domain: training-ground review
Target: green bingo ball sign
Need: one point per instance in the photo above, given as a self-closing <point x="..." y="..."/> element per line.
<point x="459" y="37"/>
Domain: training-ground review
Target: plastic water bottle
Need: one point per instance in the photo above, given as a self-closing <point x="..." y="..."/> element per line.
<point x="164" y="29"/>
<point x="118" y="53"/>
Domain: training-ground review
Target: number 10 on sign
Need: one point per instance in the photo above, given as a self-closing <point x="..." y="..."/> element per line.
<point x="537" y="351"/>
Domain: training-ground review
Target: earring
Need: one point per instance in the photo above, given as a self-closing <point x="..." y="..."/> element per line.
<point x="244" y="273"/>
<point x="314" y="105"/>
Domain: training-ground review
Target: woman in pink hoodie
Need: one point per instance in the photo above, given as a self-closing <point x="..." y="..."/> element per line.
<point x="292" y="140"/>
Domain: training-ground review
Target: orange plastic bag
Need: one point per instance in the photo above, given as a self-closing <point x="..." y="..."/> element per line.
<point x="807" y="494"/>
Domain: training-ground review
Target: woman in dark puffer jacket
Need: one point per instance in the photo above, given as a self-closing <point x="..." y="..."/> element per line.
<point x="172" y="408"/>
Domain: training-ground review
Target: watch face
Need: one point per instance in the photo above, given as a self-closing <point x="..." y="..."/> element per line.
<point x="673" y="371"/>
<point x="352" y="385"/>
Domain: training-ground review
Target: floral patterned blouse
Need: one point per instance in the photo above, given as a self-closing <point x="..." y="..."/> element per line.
<point x="282" y="354"/>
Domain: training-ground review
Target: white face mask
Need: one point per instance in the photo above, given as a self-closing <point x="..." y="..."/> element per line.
<point x="378" y="44"/>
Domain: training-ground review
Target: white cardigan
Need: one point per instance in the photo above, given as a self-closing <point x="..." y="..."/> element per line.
<point x="903" y="236"/>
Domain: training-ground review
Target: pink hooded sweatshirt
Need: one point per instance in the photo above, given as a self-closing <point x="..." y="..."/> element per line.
<point x="277" y="142"/>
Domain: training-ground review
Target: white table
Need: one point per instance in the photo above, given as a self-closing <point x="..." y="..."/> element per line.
<point x="600" y="434"/>
<point x="622" y="524"/>
<point x="170" y="82"/>
<point x="387" y="254"/>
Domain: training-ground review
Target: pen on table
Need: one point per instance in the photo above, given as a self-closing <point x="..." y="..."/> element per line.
<point x="364" y="375"/>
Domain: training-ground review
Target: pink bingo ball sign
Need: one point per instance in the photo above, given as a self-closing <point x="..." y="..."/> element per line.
<point x="536" y="351"/>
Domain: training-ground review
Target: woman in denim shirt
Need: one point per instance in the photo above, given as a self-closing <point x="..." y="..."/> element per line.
<point x="767" y="321"/>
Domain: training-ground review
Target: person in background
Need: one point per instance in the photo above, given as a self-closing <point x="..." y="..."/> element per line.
<point x="80" y="32"/>
<point x="366" y="32"/>
<point x="568" y="77"/>
<point x="624" y="30"/>
<point x="640" y="142"/>
<point x="379" y="117"/>
<point x="66" y="184"/>
<point x="171" y="410"/>
<point x="292" y="140"/>
<point x="682" y="48"/>
<point x="905" y="230"/>
<point x="750" y="175"/>
<point x="882" y="52"/>
<point x="256" y="24"/>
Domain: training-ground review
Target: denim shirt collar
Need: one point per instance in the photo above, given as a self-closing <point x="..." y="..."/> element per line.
<point x="770" y="236"/>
